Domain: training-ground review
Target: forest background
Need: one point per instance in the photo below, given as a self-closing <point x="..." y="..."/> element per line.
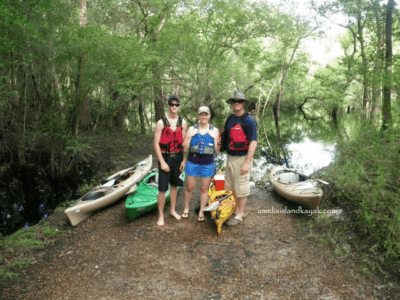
<point x="71" y="67"/>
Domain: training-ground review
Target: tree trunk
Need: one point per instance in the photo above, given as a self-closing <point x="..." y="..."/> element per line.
<point x="277" y="112"/>
<point x="377" y="71"/>
<point x="77" y="103"/>
<point x="364" y="69"/>
<point x="157" y="88"/>
<point x="57" y="86"/>
<point x="277" y="106"/>
<point x="83" y="17"/>
<point x="84" y="111"/>
<point x="387" y="83"/>
<point x="141" y="115"/>
<point x="335" y="116"/>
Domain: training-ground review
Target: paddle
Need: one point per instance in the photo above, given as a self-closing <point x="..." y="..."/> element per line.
<point x="215" y="204"/>
<point x="319" y="180"/>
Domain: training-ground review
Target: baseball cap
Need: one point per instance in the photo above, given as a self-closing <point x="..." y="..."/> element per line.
<point x="203" y="109"/>
<point x="172" y="98"/>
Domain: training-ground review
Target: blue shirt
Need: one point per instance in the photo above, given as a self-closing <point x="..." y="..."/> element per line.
<point x="250" y="129"/>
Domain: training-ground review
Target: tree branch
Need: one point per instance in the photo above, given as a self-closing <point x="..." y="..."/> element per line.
<point x="304" y="113"/>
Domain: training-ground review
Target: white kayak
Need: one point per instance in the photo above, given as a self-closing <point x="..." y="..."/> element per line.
<point x="112" y="189"/>
<point x="296" y="187"/>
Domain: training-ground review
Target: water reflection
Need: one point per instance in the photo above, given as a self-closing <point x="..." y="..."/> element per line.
<point x="260" y="167"/>
<point x="308" y="156"/>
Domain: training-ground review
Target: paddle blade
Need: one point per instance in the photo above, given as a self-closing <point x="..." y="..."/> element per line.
<point x="322" y="181"/>
<point x="109" y="183"/>
<point x="213" y="206"/>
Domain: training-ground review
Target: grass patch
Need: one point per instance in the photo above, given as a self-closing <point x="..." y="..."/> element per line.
<point x="14" y="248"/>
<point x="20" y="263"/>
<point x="20" y="241"/>
<point x="7" y="274"/>
<point x="11" y="269"/>
<point x="48" y="231"/>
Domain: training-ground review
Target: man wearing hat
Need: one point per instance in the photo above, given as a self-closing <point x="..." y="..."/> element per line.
<point x="169" y="135"/>
<point x="240" y="140"/>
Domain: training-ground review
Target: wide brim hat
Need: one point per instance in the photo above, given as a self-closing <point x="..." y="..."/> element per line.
<point x="238" y="95"/>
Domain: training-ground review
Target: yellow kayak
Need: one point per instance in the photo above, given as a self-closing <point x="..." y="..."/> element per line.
<point x="227" y="205"/>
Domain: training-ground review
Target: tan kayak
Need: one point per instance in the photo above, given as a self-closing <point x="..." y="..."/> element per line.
<point x="113" y="188"/>
<point x="296" y="187"/>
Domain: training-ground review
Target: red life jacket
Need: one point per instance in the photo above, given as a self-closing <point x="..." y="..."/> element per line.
<point x="238" y="140"/>
<point x="171" y="141"/>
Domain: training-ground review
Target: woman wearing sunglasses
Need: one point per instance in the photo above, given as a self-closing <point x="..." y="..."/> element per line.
<point x="202" y="142"/>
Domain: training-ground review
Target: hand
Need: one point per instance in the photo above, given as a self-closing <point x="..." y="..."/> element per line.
<point x="182" y="167"/>
<point x="245" y="169"/>
<point x="165" y="167"/>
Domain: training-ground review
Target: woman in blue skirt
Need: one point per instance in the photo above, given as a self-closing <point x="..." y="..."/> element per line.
<point x="201" y="143"/>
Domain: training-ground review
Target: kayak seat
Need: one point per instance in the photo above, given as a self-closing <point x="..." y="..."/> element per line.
<point x="289" y="177"/>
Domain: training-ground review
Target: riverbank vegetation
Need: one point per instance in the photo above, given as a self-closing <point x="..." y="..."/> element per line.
<point x="366" y="177"/>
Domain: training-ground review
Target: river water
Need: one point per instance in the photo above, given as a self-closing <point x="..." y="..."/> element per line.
<point x="306" y="157"/>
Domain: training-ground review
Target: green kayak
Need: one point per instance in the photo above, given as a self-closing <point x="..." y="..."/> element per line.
<point x="145" y="197"/>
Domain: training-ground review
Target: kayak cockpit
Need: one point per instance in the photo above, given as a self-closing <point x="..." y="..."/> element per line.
<point x="291" y="177"/>
<point x="153" y="180"/>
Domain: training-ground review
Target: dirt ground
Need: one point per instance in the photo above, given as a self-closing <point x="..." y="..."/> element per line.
<point x="110" y="257"/>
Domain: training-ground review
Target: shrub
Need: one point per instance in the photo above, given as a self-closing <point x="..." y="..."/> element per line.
<point x="366" y="177"/>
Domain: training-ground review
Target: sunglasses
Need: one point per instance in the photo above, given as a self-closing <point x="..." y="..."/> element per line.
<point x="237" y="101"/>
<point x="176" y="105"/>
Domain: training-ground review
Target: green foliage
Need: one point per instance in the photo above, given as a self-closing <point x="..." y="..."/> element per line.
<point x="86" y="187"/>
<point x="328" y="232"/>
<point x="63" y="206"/>
<point x="367" y="182"/>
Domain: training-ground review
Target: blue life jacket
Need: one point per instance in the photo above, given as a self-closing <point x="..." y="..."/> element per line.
<point x="202" y="144"/>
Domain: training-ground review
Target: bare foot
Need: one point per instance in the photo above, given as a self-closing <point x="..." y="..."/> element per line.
<point x="160" y="223"/>
<point x="175" y="215"/>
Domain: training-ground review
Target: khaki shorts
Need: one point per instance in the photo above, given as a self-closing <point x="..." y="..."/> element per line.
<point x="234" y="181"/>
